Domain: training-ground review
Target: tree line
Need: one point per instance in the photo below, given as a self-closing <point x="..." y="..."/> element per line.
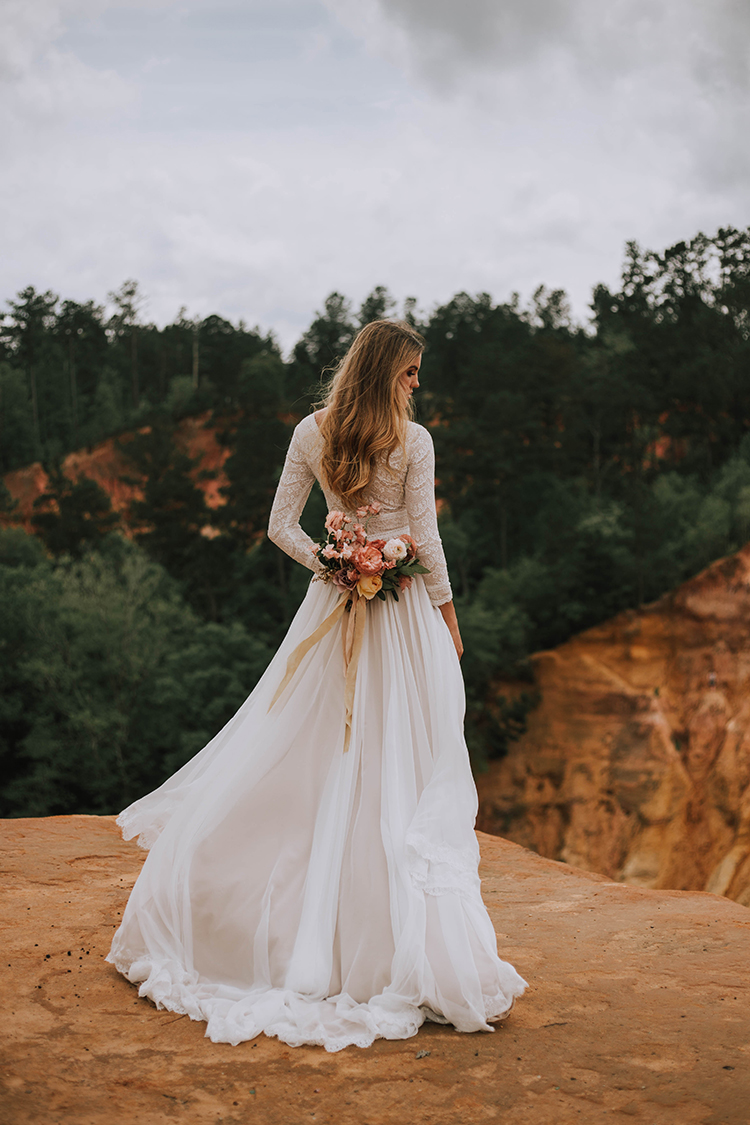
<point x="582" y="469"/>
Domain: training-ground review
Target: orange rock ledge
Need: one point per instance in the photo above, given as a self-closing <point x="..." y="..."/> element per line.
<point x="636" y="762"/>
<point x="637" y="1010"/>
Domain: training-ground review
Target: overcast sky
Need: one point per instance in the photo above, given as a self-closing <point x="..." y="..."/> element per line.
<point x="247" y="157"/>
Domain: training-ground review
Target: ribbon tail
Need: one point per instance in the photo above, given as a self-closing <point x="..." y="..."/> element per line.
<point x="347" y="631"/>
<point x="304" y="647"/>
<point x="359" y="612"/>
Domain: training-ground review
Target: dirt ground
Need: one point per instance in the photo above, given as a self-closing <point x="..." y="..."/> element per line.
<point x="638" y="1010"/>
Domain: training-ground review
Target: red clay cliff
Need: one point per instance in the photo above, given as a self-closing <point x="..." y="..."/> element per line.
<point x="636" y="763"/>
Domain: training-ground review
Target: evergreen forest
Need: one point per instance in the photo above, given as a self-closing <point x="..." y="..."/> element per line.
<point x="582" y="469"/>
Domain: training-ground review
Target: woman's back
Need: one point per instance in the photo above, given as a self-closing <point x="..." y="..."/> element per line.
<point x="405" y="490"/>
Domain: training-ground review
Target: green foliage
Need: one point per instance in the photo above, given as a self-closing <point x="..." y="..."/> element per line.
<point x="113" y="682"/>
<point x="17" y="442"/>
<point x="322" y="346"/>
<point x="581" y="471"/>
<point x="258" y="439"/>
<point x="71" y="517"/>
<point x="172" y="519"/>
<point x="377" y="306"/>
<point x="70" y="376"/>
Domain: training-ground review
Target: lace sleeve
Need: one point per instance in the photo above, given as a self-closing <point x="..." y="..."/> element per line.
<point x="419" y="492"/>
<point x="291" y="496"/>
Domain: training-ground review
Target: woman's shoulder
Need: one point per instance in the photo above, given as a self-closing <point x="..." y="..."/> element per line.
<point x="418" y="438"/>
<point x="308" y="426"/>
<point x="306" y="440"/>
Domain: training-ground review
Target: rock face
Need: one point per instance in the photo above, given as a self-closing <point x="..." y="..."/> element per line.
<point x="637" y="1010"/>
<point x="106" y="464"/>
<point x="636" y="763"/>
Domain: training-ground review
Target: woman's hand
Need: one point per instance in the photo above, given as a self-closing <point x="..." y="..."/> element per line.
<point x="448" y="611"/>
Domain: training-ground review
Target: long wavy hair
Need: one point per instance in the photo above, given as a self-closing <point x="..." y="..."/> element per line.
<point x="366" y="410"/>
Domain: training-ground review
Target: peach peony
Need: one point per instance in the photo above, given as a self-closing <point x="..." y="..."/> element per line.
<point x="369" y="560"/>
<point x="368" y="585"/>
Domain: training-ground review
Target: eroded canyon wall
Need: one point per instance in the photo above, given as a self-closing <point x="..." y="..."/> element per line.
<point x="636" y="763"/>
<point x="106" y="464"/>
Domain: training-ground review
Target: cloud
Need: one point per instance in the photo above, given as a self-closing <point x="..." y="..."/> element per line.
<point x="43" y="86"/>
<point x="278" y="151"/>
<point x="448" y="44"/>
<point x="655" y="95"/>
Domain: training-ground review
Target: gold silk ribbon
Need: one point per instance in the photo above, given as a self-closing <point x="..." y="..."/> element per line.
<point x="352" y="636"/>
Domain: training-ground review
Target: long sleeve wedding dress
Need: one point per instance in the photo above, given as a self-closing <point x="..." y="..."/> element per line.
<point x="319" y="896"/>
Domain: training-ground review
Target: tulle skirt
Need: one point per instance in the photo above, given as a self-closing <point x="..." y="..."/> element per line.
<point x="319" y="896"/>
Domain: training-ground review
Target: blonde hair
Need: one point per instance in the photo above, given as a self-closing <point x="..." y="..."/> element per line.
<point x="366" y="416"/>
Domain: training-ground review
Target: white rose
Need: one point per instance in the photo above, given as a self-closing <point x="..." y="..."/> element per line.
<point x="394" y="550"/>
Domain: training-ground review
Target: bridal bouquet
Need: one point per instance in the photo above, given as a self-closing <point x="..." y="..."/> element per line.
<point x="372" y="567"/>
<point x="362" y="569"/>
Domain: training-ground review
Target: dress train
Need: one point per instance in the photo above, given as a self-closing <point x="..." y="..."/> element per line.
<point x="319" y="896"/>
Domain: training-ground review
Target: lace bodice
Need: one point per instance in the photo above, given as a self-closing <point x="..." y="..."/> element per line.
<point x="406" y="493"/>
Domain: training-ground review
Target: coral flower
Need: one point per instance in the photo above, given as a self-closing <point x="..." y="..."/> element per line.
<point x="335" y="521"/>
<point x="369" y="560"/>
<point x="411" y="547"/>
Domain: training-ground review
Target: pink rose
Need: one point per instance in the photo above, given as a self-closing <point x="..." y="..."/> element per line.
<point x="395" y="550"/>
<point x="335" y="521"/>
<point x="369" y="560"/>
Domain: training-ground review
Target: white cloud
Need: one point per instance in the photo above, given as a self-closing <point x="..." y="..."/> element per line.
<point x="434" y="146"/>
<point x="42" y="86"/>
<point x="447" y="42"/>
<point x="677" y="69"/>
<point x="624" y="119"/>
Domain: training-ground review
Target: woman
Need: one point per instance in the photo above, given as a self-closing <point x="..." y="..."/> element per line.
<point x="313" y="873"/>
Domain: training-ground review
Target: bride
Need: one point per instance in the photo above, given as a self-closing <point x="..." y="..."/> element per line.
<point x="313" y="871"/>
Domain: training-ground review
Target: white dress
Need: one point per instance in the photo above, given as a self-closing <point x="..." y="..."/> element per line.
<point x="326" y="897"/>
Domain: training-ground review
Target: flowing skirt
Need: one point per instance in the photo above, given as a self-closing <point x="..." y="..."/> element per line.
<point x="319" y="896"/>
